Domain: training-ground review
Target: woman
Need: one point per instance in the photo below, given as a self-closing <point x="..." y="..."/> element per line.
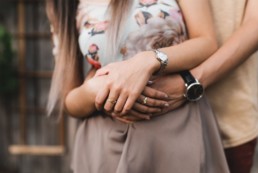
<point x="136" y="32"/>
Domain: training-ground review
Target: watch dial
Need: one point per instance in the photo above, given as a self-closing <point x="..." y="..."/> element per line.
<point x="195" y="92"/>
<point x="163" y="57"/>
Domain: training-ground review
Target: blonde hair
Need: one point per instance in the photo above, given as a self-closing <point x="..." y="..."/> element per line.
<point x="119" y="11"/>
<point x="68" y="69"/>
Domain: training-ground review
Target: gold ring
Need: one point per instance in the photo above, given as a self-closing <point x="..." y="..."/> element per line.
<point x="112" y="101"/>
<point x="145" y="100"/>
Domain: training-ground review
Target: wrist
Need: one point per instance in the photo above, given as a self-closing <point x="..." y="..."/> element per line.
<point x="193" y="88"/>
<point x="149" y="61"/>
<point x="199" y="75"/>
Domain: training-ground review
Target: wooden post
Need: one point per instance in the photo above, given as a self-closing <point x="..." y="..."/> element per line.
<point x="22" y="82"/>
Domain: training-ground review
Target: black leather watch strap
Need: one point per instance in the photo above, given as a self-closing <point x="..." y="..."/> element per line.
<point x="187" y="77"/>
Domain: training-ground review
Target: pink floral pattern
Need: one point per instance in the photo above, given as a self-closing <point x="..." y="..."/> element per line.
<point x="153" y="24"/>
<point x="93" y="57"/>
<point x="147" y="3"/>
<point x="96" y="28"/>
<point x="161" y="29"/>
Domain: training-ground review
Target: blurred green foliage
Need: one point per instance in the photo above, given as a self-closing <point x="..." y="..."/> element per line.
<point x="8" y="72"/>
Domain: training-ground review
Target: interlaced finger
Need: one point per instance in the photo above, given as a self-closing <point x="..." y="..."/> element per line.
<point x="153" y="93"/>
<point x="147" y="101"/>
<point x="146" y="109"/>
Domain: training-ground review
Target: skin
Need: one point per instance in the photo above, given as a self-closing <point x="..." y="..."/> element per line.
<point x="238" y="48"/>
<point x="126" y="81"/>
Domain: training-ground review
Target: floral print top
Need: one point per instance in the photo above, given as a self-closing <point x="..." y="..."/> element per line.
<point x="151" y="24"/>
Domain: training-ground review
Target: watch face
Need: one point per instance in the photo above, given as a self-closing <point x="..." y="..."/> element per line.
<point x="163" y="57"/>
<point x="194" y="92"/>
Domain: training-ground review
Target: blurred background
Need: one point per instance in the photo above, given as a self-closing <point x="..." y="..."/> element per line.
<point x="30" y="142"/>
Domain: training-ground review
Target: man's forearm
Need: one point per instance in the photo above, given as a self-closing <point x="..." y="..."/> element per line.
<point x="230" y="55"/>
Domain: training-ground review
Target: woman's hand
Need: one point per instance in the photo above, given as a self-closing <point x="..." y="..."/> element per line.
<point x="144" y="107"/>
<point x="157" y="102"/>
<point x="92" y="87"/>
<point x="125" y="82"/>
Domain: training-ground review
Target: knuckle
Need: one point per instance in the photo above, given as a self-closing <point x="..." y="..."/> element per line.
<point x="98" y="102"/>
<point x="107" y="108"/>
<point x="151" y="94"/>
<point x="109" y="83"/>
<point x="145" y="109"/>
<point x="147" y="91"/>
<point x="126" y="91"/>
<point x="117" y="87"/>
<point x="117" y="110"/>
<point x="126" y="110"/>
<point x="148" y="110"/>
<point x="151" y="110"/>
<point x="153" y="102"/>
<point x="161" y="104"/>
<point x="134" y="94"/>
<point x="155" y="94"/>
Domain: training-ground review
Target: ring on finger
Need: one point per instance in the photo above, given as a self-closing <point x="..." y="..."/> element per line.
<point x="112" y="101"/>
<point x="145" y="100"/>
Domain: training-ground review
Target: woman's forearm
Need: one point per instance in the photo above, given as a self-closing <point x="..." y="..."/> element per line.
<point x="202" y="38"/>
<point x="189" y="54"/>
<point x="200" y="45"/>
<point x="184" y="56"/>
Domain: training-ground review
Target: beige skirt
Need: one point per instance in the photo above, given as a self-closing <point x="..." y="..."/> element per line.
<point x="182" y="141"/>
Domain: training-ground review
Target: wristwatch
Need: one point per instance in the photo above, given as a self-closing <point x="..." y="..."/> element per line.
<point x="163" y="59"/>
<point x="194" y="90"/>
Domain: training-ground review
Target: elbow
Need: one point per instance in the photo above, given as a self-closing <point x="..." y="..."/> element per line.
<point x="70" y="106"/>
<point x="78" y="104"/>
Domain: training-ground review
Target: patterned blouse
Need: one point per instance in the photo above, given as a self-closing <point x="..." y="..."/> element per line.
<point x="150" y="24"/>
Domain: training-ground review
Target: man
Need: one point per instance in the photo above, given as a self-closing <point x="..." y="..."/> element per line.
<point x="231" y="78"/>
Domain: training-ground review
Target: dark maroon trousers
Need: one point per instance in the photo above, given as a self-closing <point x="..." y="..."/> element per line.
<point x="240" y="158"/>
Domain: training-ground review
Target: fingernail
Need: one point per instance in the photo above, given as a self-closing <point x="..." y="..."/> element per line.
<point x="114" y="115"/>
<point x="166" y="105"/>
<point x="150" y="82"/>
<point x="147" y="118"/>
